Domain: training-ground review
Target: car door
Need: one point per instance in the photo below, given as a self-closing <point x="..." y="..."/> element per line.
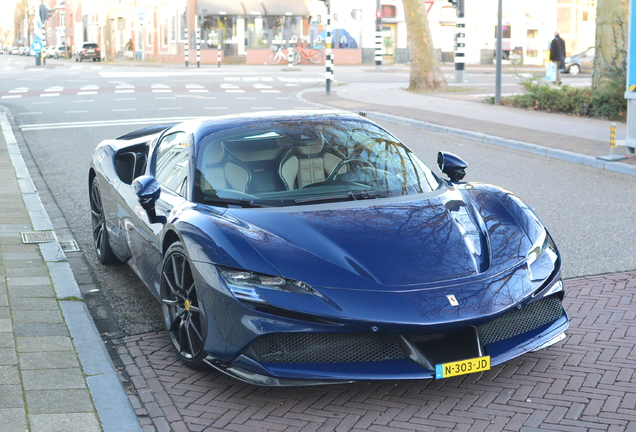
<point x="587" y="60"/>
<point x="171" y="169"/>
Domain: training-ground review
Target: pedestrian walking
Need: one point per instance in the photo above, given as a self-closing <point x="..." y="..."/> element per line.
<point x="130" y="47"/>
<point x="557" y="54"/>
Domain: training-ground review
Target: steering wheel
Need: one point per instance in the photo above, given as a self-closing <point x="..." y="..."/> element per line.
<point x="334" y="173"/>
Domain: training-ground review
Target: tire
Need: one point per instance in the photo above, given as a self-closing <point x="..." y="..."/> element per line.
<point x="274" y="58"/>
<point x="315" y="56"/>
<point x="101" y="242"/>
<point x="183" y="317"/>
<point x="296" y="59"/>
<point x="574" y="69"/>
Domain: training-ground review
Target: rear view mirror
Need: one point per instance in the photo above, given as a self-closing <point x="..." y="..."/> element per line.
<point x="451" y="165"/>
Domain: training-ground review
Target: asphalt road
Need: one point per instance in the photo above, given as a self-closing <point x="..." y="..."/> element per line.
<point x="65" y="109"/>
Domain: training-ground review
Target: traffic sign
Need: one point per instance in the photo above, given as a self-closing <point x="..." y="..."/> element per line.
<point x="36" y="46"/>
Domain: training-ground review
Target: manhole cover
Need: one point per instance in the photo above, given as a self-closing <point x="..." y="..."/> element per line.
<point x="69" y="246"/>
<point x="38" y="237"/>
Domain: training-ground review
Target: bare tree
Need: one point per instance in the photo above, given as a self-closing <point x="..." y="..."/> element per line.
<point x="612" y="27"/>
<point x="426" y="74"/>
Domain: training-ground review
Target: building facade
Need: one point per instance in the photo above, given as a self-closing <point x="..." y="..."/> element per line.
<point x="246" y="30"/>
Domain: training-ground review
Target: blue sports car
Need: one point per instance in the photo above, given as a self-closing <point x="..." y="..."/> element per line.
<point x="296" y="248"/>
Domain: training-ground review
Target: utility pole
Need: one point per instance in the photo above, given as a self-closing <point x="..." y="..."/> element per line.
<point x="378" y="35"/>
<point x="498" y="55"/>
<point x="460" y="44"/>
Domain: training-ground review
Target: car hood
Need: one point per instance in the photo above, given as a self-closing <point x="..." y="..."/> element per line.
<point x="388" y="244"/>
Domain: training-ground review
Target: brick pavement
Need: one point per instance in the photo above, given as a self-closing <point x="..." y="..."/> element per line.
<point x="585" y="383"/>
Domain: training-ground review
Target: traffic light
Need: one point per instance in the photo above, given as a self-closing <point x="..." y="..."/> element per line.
<point x="378" y="20"/>
<point x="44" y="12"/>
<point x="453" y="2"/>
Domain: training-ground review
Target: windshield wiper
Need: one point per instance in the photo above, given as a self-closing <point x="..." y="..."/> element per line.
<point x="350" y="196"/>
<point x="242" y="202"/>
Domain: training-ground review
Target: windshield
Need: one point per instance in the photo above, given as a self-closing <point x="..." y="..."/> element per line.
<point x="309" y="162"/>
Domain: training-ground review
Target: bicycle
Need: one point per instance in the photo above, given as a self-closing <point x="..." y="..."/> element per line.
<point x="311" y="54"/>
<point x="279" y="54"/>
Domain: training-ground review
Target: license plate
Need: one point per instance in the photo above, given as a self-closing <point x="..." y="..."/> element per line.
<point x="463" y="367"/>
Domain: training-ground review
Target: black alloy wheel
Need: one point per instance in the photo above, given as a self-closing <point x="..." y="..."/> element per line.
<point x="182" y="314"/>
<point x="100" y="234"/>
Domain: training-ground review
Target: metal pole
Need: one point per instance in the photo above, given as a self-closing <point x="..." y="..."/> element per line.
<point x="378" y="35"/>
<point x="328" y="62"/>
<point x="218" y="54"/>
<point x="460" y="44"/>
<point x="187" y="43"/>
<point x="498" y="67"/>
<point x="198" y="22"/>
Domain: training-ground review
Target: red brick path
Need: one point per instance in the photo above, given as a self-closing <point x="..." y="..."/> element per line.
<point x="586" y="382"/>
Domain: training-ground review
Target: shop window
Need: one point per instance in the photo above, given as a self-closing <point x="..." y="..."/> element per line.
<point x="532" y="34"/>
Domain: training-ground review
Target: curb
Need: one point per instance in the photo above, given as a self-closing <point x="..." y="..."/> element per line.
<point x="112" y="404"/>
<point x="568" y="156"/>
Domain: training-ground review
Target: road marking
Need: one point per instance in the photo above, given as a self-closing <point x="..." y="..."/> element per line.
<point x="54" y="89"/>
<point x="11" y="96"/>
<point x="124" y="109"/>
<point x="235" y="91"/>
<point x="76" y="112"/>
<point x="30" y="113"/>
<point x="49" y="94"/>
<point x="161" y="91"/>
<point x="86" y="93"/>
<point x="270" y="91"/>
<point x="105" y="123"/>
<point x="19" y="90"/>
<point x="90" y="87"/>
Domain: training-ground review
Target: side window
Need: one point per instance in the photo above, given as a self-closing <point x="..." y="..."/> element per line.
<point x="173" y="161"/>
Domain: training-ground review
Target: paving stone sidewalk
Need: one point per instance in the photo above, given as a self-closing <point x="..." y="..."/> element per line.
<point x="42" y="384"/>
<point x="55" y="374"/>
<point x="585" y="383"/>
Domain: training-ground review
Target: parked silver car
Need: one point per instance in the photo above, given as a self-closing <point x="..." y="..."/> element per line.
<point x="581" y="62"/>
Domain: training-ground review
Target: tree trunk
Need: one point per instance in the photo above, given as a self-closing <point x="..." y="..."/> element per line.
<point x="612" y="27"/>
<point x="426" y="74"/>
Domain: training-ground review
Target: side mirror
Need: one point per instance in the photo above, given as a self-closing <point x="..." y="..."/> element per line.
<point x="451" y="165"/>
<point x="148" y="191"/>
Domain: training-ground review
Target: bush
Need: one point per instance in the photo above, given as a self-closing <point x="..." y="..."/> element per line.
<point x="607" y="102"/>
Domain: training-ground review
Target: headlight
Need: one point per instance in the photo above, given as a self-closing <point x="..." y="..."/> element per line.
<point x="541" y="257"/>
<point x="245" y="285"/>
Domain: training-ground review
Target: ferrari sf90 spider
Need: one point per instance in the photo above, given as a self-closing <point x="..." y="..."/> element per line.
<point x="296" y="248"/>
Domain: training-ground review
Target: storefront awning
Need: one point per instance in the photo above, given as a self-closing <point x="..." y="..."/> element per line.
<point x="219" y="7"/>
<point x="285" y="8"/>
<point x="253" y="7"/>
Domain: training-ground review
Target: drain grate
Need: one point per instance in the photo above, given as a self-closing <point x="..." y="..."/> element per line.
<point x="69" y="246"/>
<point x="38" y="237"/>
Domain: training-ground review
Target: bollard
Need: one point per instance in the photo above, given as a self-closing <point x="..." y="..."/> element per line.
<point x="290" y="56"/>
<point x="218" y="55"/>
<point x="611" y="157"/>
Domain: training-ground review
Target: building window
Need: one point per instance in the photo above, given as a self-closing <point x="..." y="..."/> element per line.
<point x="585" y="16"/>
<point x="533" y="34"/>
<point x="505" y="31"/>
